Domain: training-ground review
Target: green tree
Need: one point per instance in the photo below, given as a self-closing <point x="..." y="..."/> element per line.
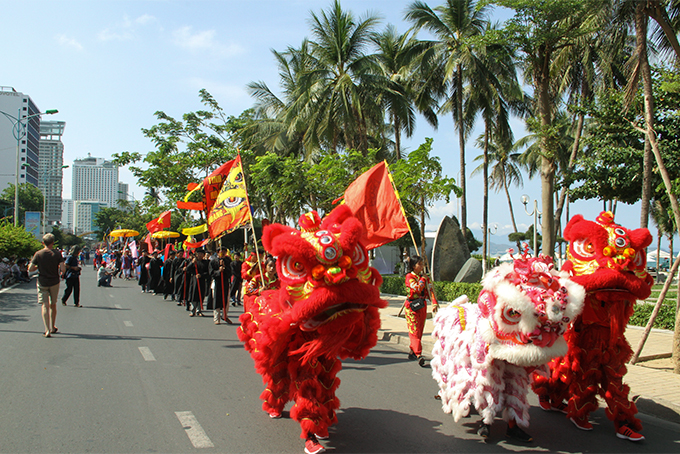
<point x="451" y="60"/>
<point x="187" y="150"/>
<point x="281" y="184"/>
<point x="420" y="183"/>
<point x="30" y="199"/>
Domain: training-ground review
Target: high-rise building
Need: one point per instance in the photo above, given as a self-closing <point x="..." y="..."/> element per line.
<point x="78" y="216"/>
<point x="15" y="105"/>
<point x="95" y="180"/>
<point x="50" y="174"/>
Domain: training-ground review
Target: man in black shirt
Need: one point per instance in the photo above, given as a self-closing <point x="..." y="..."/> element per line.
<point x="50" y="266"/>
<point x="220" y="270"/>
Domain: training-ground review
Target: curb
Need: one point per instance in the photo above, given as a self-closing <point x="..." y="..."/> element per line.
<point x="659" y="408"/>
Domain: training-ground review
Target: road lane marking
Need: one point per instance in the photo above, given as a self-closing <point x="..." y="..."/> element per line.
<point x="118" y="306"/>
<point x="194" y="430"/>
<point x="111" y="295"/>
<point x="127" y="323"/>
<point x="146" y="353"/>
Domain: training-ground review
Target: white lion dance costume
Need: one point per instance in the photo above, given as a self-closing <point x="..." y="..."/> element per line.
<point x="484" y="353"/>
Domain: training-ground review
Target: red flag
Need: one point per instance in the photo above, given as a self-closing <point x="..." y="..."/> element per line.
<point x="194" y="245"/>
<point x="149" y="244"/>
<point x="231" y="209"/>
<point x="213" y="183"/>
<point x="160" y="223"/>
<point x="168" y="248"/>
<point x="374" y="202"/>
<point x="182" y="205"/>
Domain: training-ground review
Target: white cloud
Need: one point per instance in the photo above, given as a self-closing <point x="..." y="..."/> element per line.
<point x="204" y="41"/>
<point x="126" y="29"/>
<point x="230" y="95"/>
<point x="65" y="41"/>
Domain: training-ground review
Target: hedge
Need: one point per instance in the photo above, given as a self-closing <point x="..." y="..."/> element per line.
<point x="449" y="291"/>
<point x="445" y="291"/>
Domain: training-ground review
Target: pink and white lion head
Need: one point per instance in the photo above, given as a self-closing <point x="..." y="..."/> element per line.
<point x="528" y="306"/>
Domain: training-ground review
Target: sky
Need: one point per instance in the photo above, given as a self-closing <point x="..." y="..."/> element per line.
<point x="109" y="65"/>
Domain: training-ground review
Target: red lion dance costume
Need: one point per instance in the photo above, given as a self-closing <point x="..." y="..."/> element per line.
<point x="609" y="261"/>
<point x="326" y="308"/>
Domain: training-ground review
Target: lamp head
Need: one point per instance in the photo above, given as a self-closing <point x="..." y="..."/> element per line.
<point x="525" y="199"/>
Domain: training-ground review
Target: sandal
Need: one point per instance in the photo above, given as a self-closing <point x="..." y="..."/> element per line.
<point x="54" y="331"/>
<point x="47" y="335"/>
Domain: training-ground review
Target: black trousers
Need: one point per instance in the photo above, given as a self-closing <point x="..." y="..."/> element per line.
<point x="72" y="286"/>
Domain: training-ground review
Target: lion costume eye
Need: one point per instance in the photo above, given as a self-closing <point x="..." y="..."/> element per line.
<point x="291" y="269"/>
<point x="358" y="256"/>
<point x="583" y="248"/>
<point x="511" y="316"/>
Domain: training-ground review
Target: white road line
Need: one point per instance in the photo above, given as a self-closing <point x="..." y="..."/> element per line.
<point x="6" y="289"/>
<point x="194" y="430"/>
<point x="146" y="353"/>
<point x="128" y="323"/>
<point x="117" y="306"/>
<point x="111" y="295"/>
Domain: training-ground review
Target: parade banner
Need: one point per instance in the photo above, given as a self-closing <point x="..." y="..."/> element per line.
<point x="133" y="249"/>
<point x="375" y="203"/>
<point x="231" y="209"/>
<point x="211" y="186"/>
<point x="32" y="223"/>
<point x="160" y="223"/>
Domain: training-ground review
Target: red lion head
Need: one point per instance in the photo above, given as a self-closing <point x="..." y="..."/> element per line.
<point x="606" y="257"/>
<point x="328" y="289"/>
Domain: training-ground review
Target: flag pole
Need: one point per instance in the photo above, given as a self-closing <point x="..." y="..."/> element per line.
<point x="430" y="287"/>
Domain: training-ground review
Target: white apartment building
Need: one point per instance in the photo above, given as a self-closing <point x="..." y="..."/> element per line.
<point x="95" y="180"/>
<point x="78" y="216"/>
<point x="50" y="173"/>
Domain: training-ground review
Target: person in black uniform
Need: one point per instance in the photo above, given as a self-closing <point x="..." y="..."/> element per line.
<point x="143" y="271"/>
<point x="220" y="270"/>
<point x="155" y="266"/>
<point x="178" y="278"/>
<point x="167" y="276"/>
<point x="198" y="275"/>
<point x="237" y="281"/>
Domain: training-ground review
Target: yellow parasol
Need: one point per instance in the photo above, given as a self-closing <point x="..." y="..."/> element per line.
<point x="164" y="234"/>
<point x="124" y="233"/>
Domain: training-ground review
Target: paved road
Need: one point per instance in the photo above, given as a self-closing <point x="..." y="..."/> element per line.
<point x="131" y="373"/>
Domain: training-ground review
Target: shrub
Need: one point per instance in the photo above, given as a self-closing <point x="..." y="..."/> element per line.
<point x="445" y="291"/>
<point x="664" y="320"/>
<point x="16" y="241"/>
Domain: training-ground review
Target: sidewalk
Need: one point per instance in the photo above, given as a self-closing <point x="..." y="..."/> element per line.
<point x="653" y="385"/>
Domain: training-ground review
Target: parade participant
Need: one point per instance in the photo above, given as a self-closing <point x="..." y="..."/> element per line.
<point x="126" y="265"/>
<point x="237" y="280"/>
<point x="416" y="307"/>
<point x="220" y="270"/>
<point x="178" y="277"/>
<point x="484" y="353"/>
<point x="72" y="277"/>
<point x="166" y="280"/>
<point x="259" y="284"/>
<point x="326" y="308"/>
<point x="144" y="278"/>
<point x="155" y="273"/>
<point x="198" y="275"/>
<point x="50" y="265"/>
<point x="610" y="262"/>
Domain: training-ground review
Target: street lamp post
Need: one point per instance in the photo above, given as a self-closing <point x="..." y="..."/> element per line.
<point x="535" y="213"/>
<point x="488" y="233"/>
<point x="19" y="132"/>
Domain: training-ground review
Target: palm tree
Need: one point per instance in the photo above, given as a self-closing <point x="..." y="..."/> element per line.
<point x="449" y="59"/>
<point x="337" y="101"/>
<point x="397" y="57"/>
<point x="505" y="168"/>
<point x="496" y="93"/>
<point x="665" y="227"/>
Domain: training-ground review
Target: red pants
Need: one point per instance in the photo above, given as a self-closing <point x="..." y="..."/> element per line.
<point x="415" y="320"/>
